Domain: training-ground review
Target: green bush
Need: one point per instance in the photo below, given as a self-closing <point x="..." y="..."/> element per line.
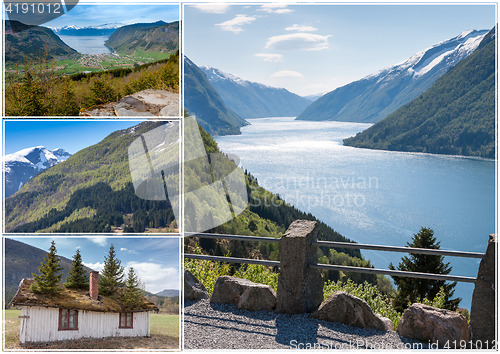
<point x="207" y="272"/>
<point x="258" y="274"/>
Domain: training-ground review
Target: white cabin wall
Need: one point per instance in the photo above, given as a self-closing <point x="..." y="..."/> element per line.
<point x="42" y="325"/>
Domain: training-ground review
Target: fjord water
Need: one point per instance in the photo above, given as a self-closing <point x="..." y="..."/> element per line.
<point x="371" y="196"/>
<point x="87" y="44"/>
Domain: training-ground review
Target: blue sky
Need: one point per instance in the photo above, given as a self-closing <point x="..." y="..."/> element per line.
<point x="311" y="49"/>
<point x="88" y="15"/>
<point x="71" y="135"/>
<point x="156" y="260"/>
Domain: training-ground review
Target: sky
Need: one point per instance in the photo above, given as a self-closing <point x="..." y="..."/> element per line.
<point x="126" y="14"/>
<point x="155" y="260"/>
<point x="71" y="135"/>
<point x="312" y="49"/>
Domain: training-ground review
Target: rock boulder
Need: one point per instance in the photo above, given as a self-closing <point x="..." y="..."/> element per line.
<point x="243" y="293"/>
<point x="347" y="309"/>
<point x="193" y="288"/>
<point x="146" y="103"/>
<point x="427" y="323"/>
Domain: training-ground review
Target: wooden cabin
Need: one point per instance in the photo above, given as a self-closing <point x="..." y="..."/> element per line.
<point x="74" y="314"/>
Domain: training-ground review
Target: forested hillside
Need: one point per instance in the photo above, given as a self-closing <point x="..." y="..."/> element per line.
<point x="92" y="191"/>
<point x="158" y="37"/>
<point x="455" y="116"/>
<point x="28" y="43"/>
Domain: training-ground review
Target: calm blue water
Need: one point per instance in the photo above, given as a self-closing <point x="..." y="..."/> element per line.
<point x="87" y="44"/>
<point x="372" y="196"/>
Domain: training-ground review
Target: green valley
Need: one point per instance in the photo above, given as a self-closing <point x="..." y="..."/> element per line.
<point x="45" y="77"/>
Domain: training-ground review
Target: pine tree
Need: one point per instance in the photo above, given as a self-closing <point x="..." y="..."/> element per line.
<point x="47" y="282"/>
<point x="133" y="293"/>
<point x="66" y="105"/>
<point x="101" y="92"/>
<point x="77" y="278"/>
<point x="112" y="274"/>
<point x="32" y="96"/>
<point x="411" y="290"/>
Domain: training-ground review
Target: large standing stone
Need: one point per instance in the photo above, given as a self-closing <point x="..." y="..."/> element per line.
<point x="193" y="288"/>
<point x="347" y="309"/>
<point x="427" y="323"/>
<point x="482" y="313"/>
<point x="243" y="293"/>
<point x="300" y="287"/>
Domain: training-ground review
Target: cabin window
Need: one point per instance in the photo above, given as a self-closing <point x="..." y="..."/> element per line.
<point x="126" y="320"/>
<point x="68" y="320"/>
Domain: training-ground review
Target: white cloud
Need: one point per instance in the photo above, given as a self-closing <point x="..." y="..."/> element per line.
<point x="101" y="241"/>
<point x="286" y="73"/>
<point x="301" y="28"/>
<point x="212" y="8"/>
<point x="95" y="266"/>
<point x="273" y="58"/>
<point x="235" y="25"/>
<point x="275" y="9"/>
<point x="156" y="276"/>
<point x="123" y="249"/>
<point x="298" y="41"/>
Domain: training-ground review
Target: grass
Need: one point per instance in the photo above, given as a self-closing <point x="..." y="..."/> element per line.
<point x="164" y="335"/>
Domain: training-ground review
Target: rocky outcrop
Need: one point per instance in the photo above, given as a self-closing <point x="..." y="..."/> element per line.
<point x="439" y="326"/>
<point x="347" y="309"/>
<point x="147" y="103"/>
<point x="482" y="314"/>
<point x="300" y="287"/>
<point x="193" y="288"/>
<point x="243" y="293"/>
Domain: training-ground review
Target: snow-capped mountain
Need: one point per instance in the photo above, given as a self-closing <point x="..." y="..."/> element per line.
<point x="23" y="165"/>
<point x="254" y="100"/>
<point x="106" y="29"/>
<point x="372" y="98"/>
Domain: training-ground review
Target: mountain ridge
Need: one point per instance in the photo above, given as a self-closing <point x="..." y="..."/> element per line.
<point x="30" y="43"/>
<point x="24" y="164"/>
<point x="252" y="99"/>
<point x="455" y="116"/>
<point x="375" y="96"/>
<point x="157" y="36"/>
<point x="106" y="29"/>
<point x="203" y="101"/>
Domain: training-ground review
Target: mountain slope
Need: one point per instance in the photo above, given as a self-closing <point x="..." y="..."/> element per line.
<point x="148" y="37"/>
<point x="21" y="260"/>
<point x="29" y="43"/>
<point x="372" y="98"/>
<point x="203" y="101"/>
<point x="168" y="293"/>
<point x="253" y="100"/>
<point x="22" y="165"/>
<point x="455" y="116"/>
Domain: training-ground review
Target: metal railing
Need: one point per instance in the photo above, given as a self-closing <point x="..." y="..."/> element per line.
<point x="330" y="244"/>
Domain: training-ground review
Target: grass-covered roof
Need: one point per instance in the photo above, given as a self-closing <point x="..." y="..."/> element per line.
<point x="77" y="300"/>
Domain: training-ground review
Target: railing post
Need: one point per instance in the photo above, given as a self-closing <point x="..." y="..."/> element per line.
<point x="300" y="287"/>
<point x="482" y="312"/>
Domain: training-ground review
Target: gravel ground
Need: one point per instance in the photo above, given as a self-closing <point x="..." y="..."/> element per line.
<point x="222" y="326"/>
